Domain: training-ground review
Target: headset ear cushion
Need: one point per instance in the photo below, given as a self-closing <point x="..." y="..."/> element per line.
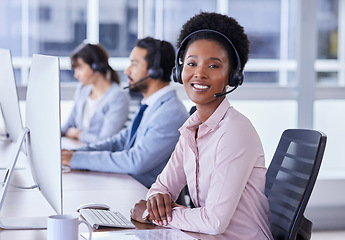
<point x="177" y="74"/>
<point x="174" y="75"/>
<point x="156" y="73"/>
<point x="235" y="78"/>
<point x="98" y="67"/>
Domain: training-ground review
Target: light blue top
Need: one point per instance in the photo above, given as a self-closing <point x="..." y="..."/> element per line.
<point x="145" y="156"/>
<point x="109" y="118"/>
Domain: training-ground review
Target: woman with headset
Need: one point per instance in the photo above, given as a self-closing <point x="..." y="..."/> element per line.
<point x="100" y="105"/>
<point x="219" y="155"/>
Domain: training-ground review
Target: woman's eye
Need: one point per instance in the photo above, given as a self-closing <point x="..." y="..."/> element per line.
<point x="191" y="64"/>
<point x="214" y="66"/>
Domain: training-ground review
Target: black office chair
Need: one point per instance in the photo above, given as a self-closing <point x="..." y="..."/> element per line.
<point x="184" y="197"/>
<point x="290" y="180"/>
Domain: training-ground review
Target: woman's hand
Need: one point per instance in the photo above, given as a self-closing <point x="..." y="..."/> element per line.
<point x="138" y="211"/>
<point x="159" y="207"/>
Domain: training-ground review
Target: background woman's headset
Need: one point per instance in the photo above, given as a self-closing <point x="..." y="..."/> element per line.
<point x="97" y="65"/>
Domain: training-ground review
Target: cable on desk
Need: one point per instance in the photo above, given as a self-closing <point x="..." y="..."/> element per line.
<point x="20" y="187"/>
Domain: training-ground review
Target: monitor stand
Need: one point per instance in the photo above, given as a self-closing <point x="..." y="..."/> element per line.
<point x="4" y="136"/>
<point x="7" y="145"/>
<point x="6" y="149"/>
<point x="23" y="223"/>
<point x="17" y="222"/>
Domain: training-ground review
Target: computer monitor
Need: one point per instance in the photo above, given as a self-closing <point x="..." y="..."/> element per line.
<point x="10" y="117"/>
<point x="43" y="139"/>
<point x="9" y="103"/>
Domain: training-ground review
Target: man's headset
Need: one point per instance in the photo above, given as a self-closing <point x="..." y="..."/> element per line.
<point x="236" y="74"/>
<point x="97" y="65"/>
<point x="155" y="71"/>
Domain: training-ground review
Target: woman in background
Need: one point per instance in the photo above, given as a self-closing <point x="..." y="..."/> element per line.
<point x="100" y="105"/>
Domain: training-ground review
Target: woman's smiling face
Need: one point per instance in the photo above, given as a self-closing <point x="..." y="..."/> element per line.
<point x="206" y="69"/>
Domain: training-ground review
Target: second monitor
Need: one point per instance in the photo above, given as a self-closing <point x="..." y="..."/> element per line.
<point x="10" y="117"/>
<point x="8" y="97"/>
<point x="42" y="131"/>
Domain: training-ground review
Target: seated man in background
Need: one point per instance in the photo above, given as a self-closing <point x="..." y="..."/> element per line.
<point x="142" y="149"/>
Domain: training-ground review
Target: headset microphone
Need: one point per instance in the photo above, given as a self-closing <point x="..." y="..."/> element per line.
<point x="139" y="81"/>
<point x="222" y="94"/>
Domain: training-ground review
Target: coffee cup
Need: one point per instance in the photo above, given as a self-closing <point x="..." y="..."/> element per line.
<point x="65" y="227"/>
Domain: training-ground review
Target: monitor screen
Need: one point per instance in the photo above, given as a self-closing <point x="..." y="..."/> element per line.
<point x="9" y="104"/>
<point x="10" y="117"/>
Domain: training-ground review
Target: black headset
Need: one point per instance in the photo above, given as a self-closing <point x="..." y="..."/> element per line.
<point x="236" y="74"/>
<point x="97" y="65"/>
<point x="156" y="71"/>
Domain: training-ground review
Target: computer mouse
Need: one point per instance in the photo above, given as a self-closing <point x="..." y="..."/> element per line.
<point x="65" y="168"/>
<point x="101" y="206"/>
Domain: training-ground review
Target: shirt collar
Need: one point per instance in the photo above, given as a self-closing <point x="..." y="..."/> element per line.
<point x="154" y="97"/>
<point x="212" y="122"/>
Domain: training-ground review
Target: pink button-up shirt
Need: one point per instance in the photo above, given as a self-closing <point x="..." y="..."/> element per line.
<point x="224" y="168"/>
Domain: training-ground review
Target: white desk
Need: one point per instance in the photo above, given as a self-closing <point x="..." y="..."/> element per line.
<point x="119" y="191"/>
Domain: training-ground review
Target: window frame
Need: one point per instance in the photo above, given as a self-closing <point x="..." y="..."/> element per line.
<point x="249" y="91"/>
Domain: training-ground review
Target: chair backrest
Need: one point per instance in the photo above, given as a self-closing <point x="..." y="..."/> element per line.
<point x="290" y="179"/>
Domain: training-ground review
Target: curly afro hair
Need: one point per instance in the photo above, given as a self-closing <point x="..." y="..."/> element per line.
<point x="223" y="24"/>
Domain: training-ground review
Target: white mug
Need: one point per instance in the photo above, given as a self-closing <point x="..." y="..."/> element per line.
<point x="65" y="227"/>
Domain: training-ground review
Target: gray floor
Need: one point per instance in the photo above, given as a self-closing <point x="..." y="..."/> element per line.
<point x="331" y="235"/>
